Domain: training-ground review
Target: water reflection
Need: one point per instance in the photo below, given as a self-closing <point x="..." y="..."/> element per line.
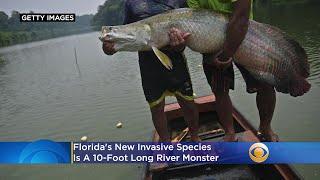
<point x="301" y="21"/>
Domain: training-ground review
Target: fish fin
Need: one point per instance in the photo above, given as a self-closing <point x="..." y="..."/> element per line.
<point x="164" y="59"/>
<point x="301" y="57"/>
<point x="299" y="86"/>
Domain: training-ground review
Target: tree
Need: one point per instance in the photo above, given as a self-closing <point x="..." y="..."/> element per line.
<point x="12" y="31"/>
<point x="110" y="13"/>
<point x="3" y="20"/>
<point x="14" y="20"/>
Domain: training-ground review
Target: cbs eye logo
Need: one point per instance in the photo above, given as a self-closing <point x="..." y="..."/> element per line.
<point x="45" y="152"/>
<point x="259" y="152"/>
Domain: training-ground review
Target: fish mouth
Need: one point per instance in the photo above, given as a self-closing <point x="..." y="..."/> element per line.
<point x="119" y="37"/>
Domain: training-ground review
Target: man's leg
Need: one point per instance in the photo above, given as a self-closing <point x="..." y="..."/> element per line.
<point x="224" y="110"/>
<point x="220" y="83"/>
<point x="191" y="115"/>
<point x="266" y="101"/>
<point x="160" y="121"/>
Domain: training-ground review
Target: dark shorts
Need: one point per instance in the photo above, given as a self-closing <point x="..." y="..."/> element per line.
<point x="222" y="81"/>
<point x="158" y="82"/>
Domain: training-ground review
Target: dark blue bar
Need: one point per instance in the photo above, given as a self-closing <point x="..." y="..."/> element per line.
<point x="219" y="153"/>
<point x="38" y="152"/>
<point x="49" y="152"/>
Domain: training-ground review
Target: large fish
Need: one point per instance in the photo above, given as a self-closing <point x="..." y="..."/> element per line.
<point x="266" y="52"/>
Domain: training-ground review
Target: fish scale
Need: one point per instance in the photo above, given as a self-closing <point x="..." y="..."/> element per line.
<point x="268" y="54"/>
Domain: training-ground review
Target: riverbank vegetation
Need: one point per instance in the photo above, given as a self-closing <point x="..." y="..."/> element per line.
<point x="111" y="12"/>
<point x="12" y="31"/>
<point x="1" y="60"/>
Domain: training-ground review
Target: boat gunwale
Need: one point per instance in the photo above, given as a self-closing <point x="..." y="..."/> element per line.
<point x="207" y="104"/>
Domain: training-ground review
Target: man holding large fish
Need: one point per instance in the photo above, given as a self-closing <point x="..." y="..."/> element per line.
<point x="220" y="74"/>
<point x="157" y="81"/>
<point x="268" y="59"/>
<point x="219" y="71"/>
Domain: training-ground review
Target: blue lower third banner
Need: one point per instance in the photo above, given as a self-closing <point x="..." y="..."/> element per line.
<point x="203" y="152"/>
<point x="50" y="152"/>
<point x="38" y="152"/>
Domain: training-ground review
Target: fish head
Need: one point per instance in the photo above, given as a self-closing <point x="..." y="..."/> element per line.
<point x="130" y="37"/>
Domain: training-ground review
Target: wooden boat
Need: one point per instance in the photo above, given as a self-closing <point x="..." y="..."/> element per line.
<point x="211" y="130"/>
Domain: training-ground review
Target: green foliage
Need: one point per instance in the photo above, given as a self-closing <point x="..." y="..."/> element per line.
<point x="110" y="13"/>
<point x="12" y="31"/>
<point x="3" y="20"/>
<point x="1" y="60"/>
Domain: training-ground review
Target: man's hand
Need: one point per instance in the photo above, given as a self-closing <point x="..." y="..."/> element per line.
<point x="108" y="48"/>
<point x="221" y="62"/>
<point x="178" y="39"/>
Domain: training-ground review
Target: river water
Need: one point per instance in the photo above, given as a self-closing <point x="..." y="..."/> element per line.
<point x="46" y="94"/>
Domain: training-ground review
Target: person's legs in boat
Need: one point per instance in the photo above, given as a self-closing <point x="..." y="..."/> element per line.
<point x="265" y="100"/>
<point x="191" y="116"/>
<point x="220" y="83"/>
<point x="224" y="110"/>
<point x="160" y="121"/>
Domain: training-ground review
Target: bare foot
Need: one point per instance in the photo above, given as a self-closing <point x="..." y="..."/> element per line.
<point x="230" y="138"/>
<point x="269" y="135"/>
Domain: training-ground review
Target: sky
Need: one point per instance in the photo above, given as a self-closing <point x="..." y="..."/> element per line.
<point x="79" y="7"/>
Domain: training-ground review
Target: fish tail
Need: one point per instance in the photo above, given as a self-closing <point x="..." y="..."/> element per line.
<point x="299" y="86"/>
<point x="301" y="57"/>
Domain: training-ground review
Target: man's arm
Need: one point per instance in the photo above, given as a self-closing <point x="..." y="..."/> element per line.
<point x="126" y="19"/>
<point x="236" y="31"/>
<point x="237" y="28"/>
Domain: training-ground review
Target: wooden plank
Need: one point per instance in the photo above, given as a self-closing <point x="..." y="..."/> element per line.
<point x="285" y="170"/>
<point x="180" y="137"/>
<point x="204" y="104"/>
<point x="207" y="103"/>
